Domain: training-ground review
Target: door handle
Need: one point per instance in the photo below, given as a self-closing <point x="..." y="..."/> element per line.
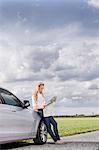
<point x="13" y="111"/>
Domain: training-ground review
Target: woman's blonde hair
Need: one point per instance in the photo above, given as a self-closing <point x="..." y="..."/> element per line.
<point x="35" y="92"/>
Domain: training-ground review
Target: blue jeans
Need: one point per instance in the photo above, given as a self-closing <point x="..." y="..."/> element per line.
<point x="53" y="133"/>
<point x="40" y="113"/>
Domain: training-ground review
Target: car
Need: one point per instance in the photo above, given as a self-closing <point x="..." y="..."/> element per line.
<point x="18" y="121"/>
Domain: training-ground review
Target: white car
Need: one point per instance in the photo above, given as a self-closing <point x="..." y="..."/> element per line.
<point x="18" y="121"/>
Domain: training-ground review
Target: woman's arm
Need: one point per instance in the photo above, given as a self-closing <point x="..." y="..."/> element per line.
<point x="44" y="102"/>
<point x="35" y="98"/>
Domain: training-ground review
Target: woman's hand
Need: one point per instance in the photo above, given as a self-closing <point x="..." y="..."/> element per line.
<point x="44" y="105"/>
<point x="36" y="109"/>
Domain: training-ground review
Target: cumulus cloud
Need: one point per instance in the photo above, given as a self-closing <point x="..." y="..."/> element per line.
<point x="94" y="3"/>
<point x="67" y="67"/>
<point x="94" y="87"/>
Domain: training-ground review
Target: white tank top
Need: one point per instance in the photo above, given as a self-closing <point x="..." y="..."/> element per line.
<point x="40" y="101"/>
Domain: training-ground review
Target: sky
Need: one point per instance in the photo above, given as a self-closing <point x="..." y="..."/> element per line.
<point x="54" y="41"/>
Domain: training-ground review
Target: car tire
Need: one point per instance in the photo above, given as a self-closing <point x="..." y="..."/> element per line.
<point x="41" y="137"/>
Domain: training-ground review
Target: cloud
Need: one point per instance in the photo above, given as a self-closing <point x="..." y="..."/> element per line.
<point x="49" y="14"/>
<point x="66" y="66"/>
<point x="94" y="3"/>
<point x="55" y="60"/>
<point x="93" y="86"/>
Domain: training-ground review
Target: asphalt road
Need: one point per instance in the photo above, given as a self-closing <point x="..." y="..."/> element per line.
<point x="87" y="141"/>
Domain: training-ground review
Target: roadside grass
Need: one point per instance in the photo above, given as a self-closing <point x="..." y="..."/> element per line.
<point x="71" y="126"/>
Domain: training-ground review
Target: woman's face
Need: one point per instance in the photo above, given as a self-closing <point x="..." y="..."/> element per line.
<point x="41" y="88"/>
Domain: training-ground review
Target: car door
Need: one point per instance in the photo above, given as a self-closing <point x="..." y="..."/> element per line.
<point x="6" y="121"/>
<point x="7" y="125"/>
<point x="4" y="132"/>
<point x="18" y="120"/>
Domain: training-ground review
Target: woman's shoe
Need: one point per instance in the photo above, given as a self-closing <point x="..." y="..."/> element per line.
<point x="59" y="142"/>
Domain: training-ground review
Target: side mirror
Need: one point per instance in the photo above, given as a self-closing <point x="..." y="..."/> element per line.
<point x="26" y="103"/>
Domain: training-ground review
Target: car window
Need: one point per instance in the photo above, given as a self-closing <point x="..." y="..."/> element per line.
<point x="0" y="101"/>
<point x="10" y="99"/>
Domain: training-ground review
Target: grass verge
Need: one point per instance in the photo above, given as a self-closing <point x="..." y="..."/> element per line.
<point x="71" y="126"/>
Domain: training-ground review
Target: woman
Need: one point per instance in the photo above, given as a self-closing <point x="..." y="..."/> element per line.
<point x="38" y="99"/>
<point x="39" y="104"/>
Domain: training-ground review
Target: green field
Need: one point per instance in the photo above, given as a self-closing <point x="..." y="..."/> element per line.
<point x="69" y="126"/>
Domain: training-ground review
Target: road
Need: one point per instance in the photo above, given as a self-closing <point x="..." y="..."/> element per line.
<point x="86" y="141"/>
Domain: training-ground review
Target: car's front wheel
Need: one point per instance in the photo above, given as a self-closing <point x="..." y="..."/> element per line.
<point x="41" y="137"/>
